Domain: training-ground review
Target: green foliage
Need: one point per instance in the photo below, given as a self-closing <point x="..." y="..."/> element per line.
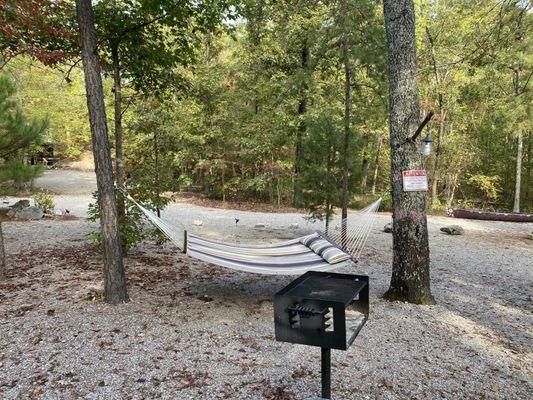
<point x="132" y="229"/>
<point x="45" y="201"/>
<point x="46" y="95"/>
<point x="18" y="134"/>
<point x="19" y="173"/>
<point x="487" y="185"/>
<point x="225" y="108"/>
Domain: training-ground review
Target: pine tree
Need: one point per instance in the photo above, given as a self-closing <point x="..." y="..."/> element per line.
<point x="17" y="134"/>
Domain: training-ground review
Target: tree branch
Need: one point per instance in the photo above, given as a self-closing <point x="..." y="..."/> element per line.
<point x="421" y="127"/>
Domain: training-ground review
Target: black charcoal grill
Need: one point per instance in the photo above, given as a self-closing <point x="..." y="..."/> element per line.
<point x="322" y="309"/>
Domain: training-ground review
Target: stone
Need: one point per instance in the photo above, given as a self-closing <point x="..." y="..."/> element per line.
<point x="198" y="222"/>
<point x="530" y="235"/>
<point x="453" y="230"/>
<point x="19" y="205"/>
<point x="294" y="226"/>
<point x="260" y="225"/>
<point x="387" y="228"/>
<point x="29" y="213"/>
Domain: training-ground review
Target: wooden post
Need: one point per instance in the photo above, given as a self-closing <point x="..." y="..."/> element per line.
<point x="184" y="242"/>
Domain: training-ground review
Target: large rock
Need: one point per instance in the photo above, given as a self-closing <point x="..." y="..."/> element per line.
<point x="19" y="205"/>
<point x="453" y="230"/>
<point x="198" y="222"/>
<point x="387" y="228"/>
<point x="29" y="213"/>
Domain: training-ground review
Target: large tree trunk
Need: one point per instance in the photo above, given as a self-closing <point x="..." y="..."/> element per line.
<point x="519" y="154"/>
<point x="3" y="271"/>
<point x="119" y="157"/>
<point x="114" y="278"/>
<point x="410" y="270"/>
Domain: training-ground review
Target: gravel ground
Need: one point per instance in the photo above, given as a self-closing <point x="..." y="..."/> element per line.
<point x="195" y="331"/>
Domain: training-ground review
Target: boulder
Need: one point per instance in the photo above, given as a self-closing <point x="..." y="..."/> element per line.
<point x="453" y="230"/>
<point x="530" y="235"/>
<point x="29" y="213"/>
<point x="19" y="205"/>
<point x="294" y="226"/>
<point x="260" y="225"/>
<point x="198" y="222"/>
<point x="387" y="228"/>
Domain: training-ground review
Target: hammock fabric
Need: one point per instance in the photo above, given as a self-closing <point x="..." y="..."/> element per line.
<point x="315" y="252"/>
<point x="285" y="258"/>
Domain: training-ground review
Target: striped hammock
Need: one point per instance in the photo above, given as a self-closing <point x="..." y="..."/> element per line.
<point x="315" y="252"/>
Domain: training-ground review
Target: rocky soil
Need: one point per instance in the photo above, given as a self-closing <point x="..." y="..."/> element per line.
<point x="195" y="331"/>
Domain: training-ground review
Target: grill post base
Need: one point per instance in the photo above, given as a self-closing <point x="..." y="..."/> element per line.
<point x="326" y="372"/>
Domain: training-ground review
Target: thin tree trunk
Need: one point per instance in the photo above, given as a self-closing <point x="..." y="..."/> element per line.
<point x="328" y="195"/>
<point x="302" y="109"/>
<point x="528" y="170"/>
<point x="114" y="277"/>
<point x="346" y="145"/>
<point x="3" y="270"/>
<point x="376" y="166"/>
<point x="157" y="176"/>
<point x="519" y="154"/>
<point x="364" y="178"/>
<point x="438" y="139"/>
<point x="410" y="279"/>
<point x="119" y="157"/>
<point x="442" y="117"/>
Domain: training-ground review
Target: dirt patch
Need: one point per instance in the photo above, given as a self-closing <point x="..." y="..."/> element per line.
<point x="198" y="200"/>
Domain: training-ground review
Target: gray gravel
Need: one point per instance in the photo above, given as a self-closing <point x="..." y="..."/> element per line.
<point x="194" y="331"/>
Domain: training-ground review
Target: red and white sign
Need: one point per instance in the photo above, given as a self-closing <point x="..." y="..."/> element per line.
<point x="415" y="180"/>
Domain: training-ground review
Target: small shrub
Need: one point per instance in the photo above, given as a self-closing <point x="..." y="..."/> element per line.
<point x="131" y="230"/>
<point x="44" y="201"/>
<point x="438" y="206"/>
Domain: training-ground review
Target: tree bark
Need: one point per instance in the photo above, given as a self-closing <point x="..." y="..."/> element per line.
<point x="119" y="156"/>
<point x="114" y="277"/>
<point x="410" y="270"/>
<point x="3" y="270"/>
<point x="519" y="154"/>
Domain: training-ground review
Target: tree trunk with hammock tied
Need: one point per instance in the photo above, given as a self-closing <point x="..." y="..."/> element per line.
<point x="410" y="270"/>
<point x="114" y="277"/>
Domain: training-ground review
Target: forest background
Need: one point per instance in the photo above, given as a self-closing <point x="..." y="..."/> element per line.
<point x="255" y="110"/>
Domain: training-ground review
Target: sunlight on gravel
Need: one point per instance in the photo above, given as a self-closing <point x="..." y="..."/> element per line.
<point x="195" y="331"/>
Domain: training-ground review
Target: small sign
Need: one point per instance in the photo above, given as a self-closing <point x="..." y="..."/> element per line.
<point x="415" y="180"/>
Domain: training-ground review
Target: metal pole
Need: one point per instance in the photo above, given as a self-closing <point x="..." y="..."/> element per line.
<point x="326" y="373"/>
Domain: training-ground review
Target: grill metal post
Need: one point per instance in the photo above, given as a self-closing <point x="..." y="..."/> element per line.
<point x="326" y="373"/>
